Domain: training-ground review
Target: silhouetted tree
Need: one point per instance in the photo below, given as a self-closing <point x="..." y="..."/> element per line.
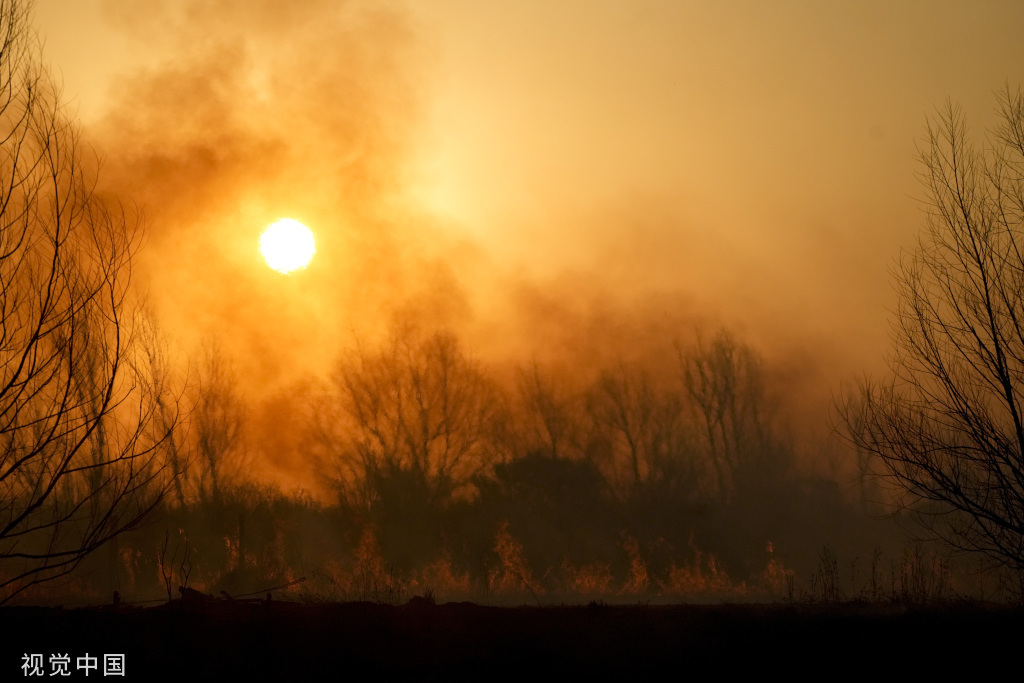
<point x="550" y="418"/>
<point x="217" y="420"/>
<point x="947" y="427"/>
<point x="76" y="451"/>
<point x="167" y="394"/>
<point x="418" y="404"/>
<point x="647" y="435"/>
<point x="725" y="388"/>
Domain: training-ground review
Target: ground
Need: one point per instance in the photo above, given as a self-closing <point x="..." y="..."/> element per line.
<point x="279" y="640"/>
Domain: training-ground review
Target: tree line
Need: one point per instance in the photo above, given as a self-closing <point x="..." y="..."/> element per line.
<point x="435" y="455"/>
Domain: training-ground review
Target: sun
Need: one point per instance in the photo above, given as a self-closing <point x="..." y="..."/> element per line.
<point x="287" y="245"/>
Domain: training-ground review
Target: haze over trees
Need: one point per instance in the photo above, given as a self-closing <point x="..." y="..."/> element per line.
<point x="665" y="470"/>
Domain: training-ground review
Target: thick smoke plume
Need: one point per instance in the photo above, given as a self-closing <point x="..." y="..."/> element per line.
<point x="313" y="110"/>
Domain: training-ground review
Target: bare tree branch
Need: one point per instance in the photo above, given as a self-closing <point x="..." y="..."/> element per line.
<point x="77" y="452"/>
<point x="948" y="427"/>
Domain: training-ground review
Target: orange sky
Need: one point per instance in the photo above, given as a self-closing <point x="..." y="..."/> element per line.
<point x="530" y="172"/>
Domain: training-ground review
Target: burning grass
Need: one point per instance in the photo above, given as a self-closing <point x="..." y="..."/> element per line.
<point x="511" y="580"/>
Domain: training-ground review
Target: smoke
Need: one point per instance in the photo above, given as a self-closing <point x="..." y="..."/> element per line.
<point x="253" y="111"/>
<point x="261" y="111"/>
<point x="584" y="196"/>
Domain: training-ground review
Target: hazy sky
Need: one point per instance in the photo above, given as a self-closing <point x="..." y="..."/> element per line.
<point x="531" y="172"/>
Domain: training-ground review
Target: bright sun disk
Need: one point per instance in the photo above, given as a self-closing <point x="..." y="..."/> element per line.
<point x="287" y="245"/>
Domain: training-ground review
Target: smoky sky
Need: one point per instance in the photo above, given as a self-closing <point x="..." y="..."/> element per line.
<point x="570" y="182"/>
<point x="299" y="110"/>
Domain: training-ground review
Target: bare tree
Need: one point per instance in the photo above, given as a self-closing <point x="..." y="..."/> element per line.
<point x="724" y="385"/>
<point x="76" y="450"/>
<point x="218" y="418"/>
<point x="550" y="414"/>
<point x="167" y="395"/>
<point x="947" y="427"/>
<point x="418" y="406"/>
<point x="645" y="425"/>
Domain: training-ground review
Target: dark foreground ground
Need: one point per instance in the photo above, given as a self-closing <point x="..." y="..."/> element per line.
<point x="462" y="641"/>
